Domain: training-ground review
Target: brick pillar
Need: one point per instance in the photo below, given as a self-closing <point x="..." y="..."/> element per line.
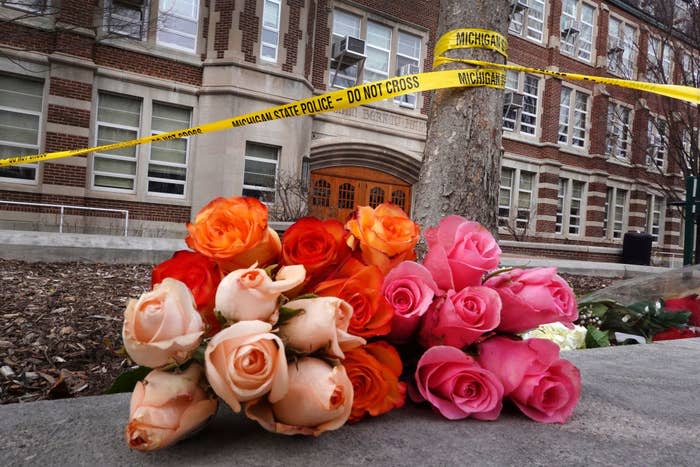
<point x="640" y="136"/>
<point x="599" y="120"/>
<point x="547" y="192"/>
<point x="672" y="227"/>
<point x="550" y="100"/>
<point x="595" y="205"/>
<point x="637" y="210"/>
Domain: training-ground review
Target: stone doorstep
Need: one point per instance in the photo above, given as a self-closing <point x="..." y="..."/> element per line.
<point x="638" y="407"/>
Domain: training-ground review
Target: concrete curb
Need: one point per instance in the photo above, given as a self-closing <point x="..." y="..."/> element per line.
<point x="583" y="268"/>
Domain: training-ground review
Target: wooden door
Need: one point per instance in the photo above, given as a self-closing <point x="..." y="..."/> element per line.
<point x="336" y="192"/>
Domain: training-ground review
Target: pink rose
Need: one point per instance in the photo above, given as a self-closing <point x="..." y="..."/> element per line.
<point x="457" y="386"/>
<point x="319" y="399"/>
<point x="162" y="326"/>
<point x="543" y="386"/>
<point x="250" y="294"/>
<point x="409" y="288"/>
<point x="245" y="361"/>
<point x="460" y="252"/>
<point x="461" y="318"/>
<point x="165" y="407"/>
<point x="532" y="297"/>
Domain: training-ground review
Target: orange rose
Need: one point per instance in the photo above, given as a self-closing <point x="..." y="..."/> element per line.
<point x="234" y="233"/>
<point x="385" y="234"/>
<point x="374" y="371"/>
<point x="360" y="286"/>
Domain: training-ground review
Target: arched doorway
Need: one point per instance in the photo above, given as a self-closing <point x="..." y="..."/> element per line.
<point x="335" y="192"/>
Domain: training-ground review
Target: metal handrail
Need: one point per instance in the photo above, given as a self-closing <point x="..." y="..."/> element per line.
<point x="63" y="207"/>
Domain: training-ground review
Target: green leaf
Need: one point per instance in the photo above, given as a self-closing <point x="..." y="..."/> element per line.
<point x="306" y="296"/>
<point x="596" y="338"/>
<point x="127" y="381"/>
<point x="270" y="271"/>
<point x="288" y="313"/>
<point x="500" y="271"/>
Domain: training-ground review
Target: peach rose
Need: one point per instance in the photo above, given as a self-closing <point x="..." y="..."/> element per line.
<point x="165" y="407"/>
<point x="162" y="326"/>
<point x="249" y="294"/>
<point x="319" y="399"/>
<point x="322" y="325"/>
<point x="246" y="361"/>
<point x="234" y="233"/>
<point x="385" y="234"/>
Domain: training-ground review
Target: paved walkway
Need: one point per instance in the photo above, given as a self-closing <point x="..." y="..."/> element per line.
<point x="639" y="407"/>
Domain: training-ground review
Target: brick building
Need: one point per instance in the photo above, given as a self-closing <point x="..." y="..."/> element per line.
<point x="74" y="73"/>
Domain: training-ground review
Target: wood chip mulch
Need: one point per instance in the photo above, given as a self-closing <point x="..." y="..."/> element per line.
<point x="60" y="326"/>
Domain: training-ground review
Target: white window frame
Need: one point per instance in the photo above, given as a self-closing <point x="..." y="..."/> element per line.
<point x="611" y="207"/>
<point x="513" y="208"/>
<point x="520" y="114"/>
<point x="615" y="150"/>
<point x="336" y="37"/>
<point x="169" y="164"/>
<point x="267" y="161"/>
<point x="103" y="155"/>
<point x="653" y="54"/>
<point x="526" y="19"/>
<point x="34" y="147"/>
<point x="386" y="73"/>
<point x="657" y="144"/>
<point x="576" y="45"/>
<point x="276" y="29"/>
<point x="405" y="100"/>
<point x="627" y="68"/>
<point x="195" y="18"/>
<point x="656" y="205"/>
<point x="571" y="112"/>
<point x="564" y="204"/>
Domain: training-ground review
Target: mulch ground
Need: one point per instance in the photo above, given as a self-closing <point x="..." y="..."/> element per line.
<point x="60" y="326"/>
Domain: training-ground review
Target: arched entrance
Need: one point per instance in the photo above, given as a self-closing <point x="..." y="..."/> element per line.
<point x="335" y="192"/>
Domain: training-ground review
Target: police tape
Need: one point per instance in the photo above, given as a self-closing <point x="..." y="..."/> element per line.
<point x="486" y="74"/>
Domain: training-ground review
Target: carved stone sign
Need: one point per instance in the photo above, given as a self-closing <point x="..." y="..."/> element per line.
<point x="381" y="117"/>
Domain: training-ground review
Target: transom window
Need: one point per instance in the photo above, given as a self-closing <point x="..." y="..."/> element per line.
<point x="270" y="30"/>
<point x="515" y="198"/>
<point x="619" y="135"/>
<point x="178" y="24"/>
<point x="615" y="220"/>
<point x="118" y="119"/>
<point x="573" y="114"/>
<point x="569" y="206"/>
<point x="167" y="167"/>
<point x="577" y="20"/>
<point x="528" y="19"/>
<point x="21" y="103"/>
<point x="621" y="53"/>
<point x="658" y="143"/>
<point x="260" y="171"/>
<point x="655" y="210"/>
<point x="520" y="107"/>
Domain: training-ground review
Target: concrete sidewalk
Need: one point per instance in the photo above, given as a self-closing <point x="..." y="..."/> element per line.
<point x="583" y="268"/>
<point x="638" y="407"/>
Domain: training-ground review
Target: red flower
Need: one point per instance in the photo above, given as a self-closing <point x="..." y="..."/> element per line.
<point x="674" y="333"/>
<point x="200" y="274"/>
<point x="360" y="286"/>
<point x="689" y="303"/>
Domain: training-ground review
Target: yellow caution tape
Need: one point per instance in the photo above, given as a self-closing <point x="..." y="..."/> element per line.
<point x="487" y="74"/>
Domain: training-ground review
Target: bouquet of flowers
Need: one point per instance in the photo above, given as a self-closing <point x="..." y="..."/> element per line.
<point x="338" y="322"/>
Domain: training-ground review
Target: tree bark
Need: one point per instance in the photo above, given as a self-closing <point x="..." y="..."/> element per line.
<point x="461" y="161"/>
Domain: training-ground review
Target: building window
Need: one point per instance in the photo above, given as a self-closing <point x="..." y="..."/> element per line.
<point x="690" y="70"/>
<point x="570" y="206"/>
<point x="21" y="103"/>
<point x="34" y="6"/>
<point x="573" y="114"/>
<point x="344" y="24"/>
<point x="621" y="40"/>
<point x="260" y="172"/>
<point x="658" y="61"/>
<point x="619" y="135"/>
<point x="270" y="30"/>
<point x="167" y="166"/>
<point x="398" y="197"/>
<point x="378" y="51"/>
<point x="655" y="209"/>
<point x="577" y="20"/>
<point x="615" y="211"/>
<point x="407" y="63"/>
<point x="515" y="198"/>
<point x="376" y="197"/>
<point x="528" y="19"/>
<point x="658" y="146"/>
<point x="126" y="18"/>
<point x="178" y="20"/>
<point x="321" y="193"/>
<point x="118" y="119"/>
<point x="520" y="107"/>
<point x="346" y="196"/>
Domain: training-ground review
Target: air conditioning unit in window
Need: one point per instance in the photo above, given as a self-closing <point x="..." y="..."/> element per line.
<point x="349" y="49"/>
<point x="571" y="28"/>
<point x="615" y="46"/>
<point x="409" y="69"/>
<point x="512" y="101"/>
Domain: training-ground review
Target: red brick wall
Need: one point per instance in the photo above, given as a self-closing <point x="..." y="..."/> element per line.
<point x="127" y="60"/>
<point x="61" y="141"/>
<point x="67" y="175"/>
<point x="250" y="26"/>
<point x="293" y="36"/>
<point x="68" y="116"/>
<point x="223" y="26"/>
<point x="72" y="89"/>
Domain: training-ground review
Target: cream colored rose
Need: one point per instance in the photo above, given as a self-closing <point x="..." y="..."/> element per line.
<point x="162" y="326"/>
<point x="322" y="325"/>
<point x="319" y="399"/>
<point x="165" y="407"/>
<point x="564" y="337"/>
<point x="246" y="361"/>
<point x="249" y="294"/>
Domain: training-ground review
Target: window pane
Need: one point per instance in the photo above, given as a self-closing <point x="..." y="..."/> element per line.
<point x="171" y="173"/>
<point x="155" y="186"/>
<point x="114" y="182"/>
<point x="345" y="24"/>
<point x="409" y="45"/>
<point x="109" y="135"/>
<point x="119" y="110"/>
<point x="259" y="176"/>
<point x="260" y="151"/>
<point x="170" y="38"/>
<point x="19" y="128"/>
<point x="21" y="93"/>
<point x="186" y="8"/>
<point x="174" y="151"/>
<point x="269" y="37"/>
<point x="169" y="118"/>
<point x="115" y="166"/>
<point x="271" y="13"/>
<point x="378" y="35"/>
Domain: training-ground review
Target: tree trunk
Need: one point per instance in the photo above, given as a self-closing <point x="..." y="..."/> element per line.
<point x="461" y="161"/>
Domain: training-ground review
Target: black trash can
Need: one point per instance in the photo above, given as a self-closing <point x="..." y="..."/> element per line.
<point x="636" y="248"/>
